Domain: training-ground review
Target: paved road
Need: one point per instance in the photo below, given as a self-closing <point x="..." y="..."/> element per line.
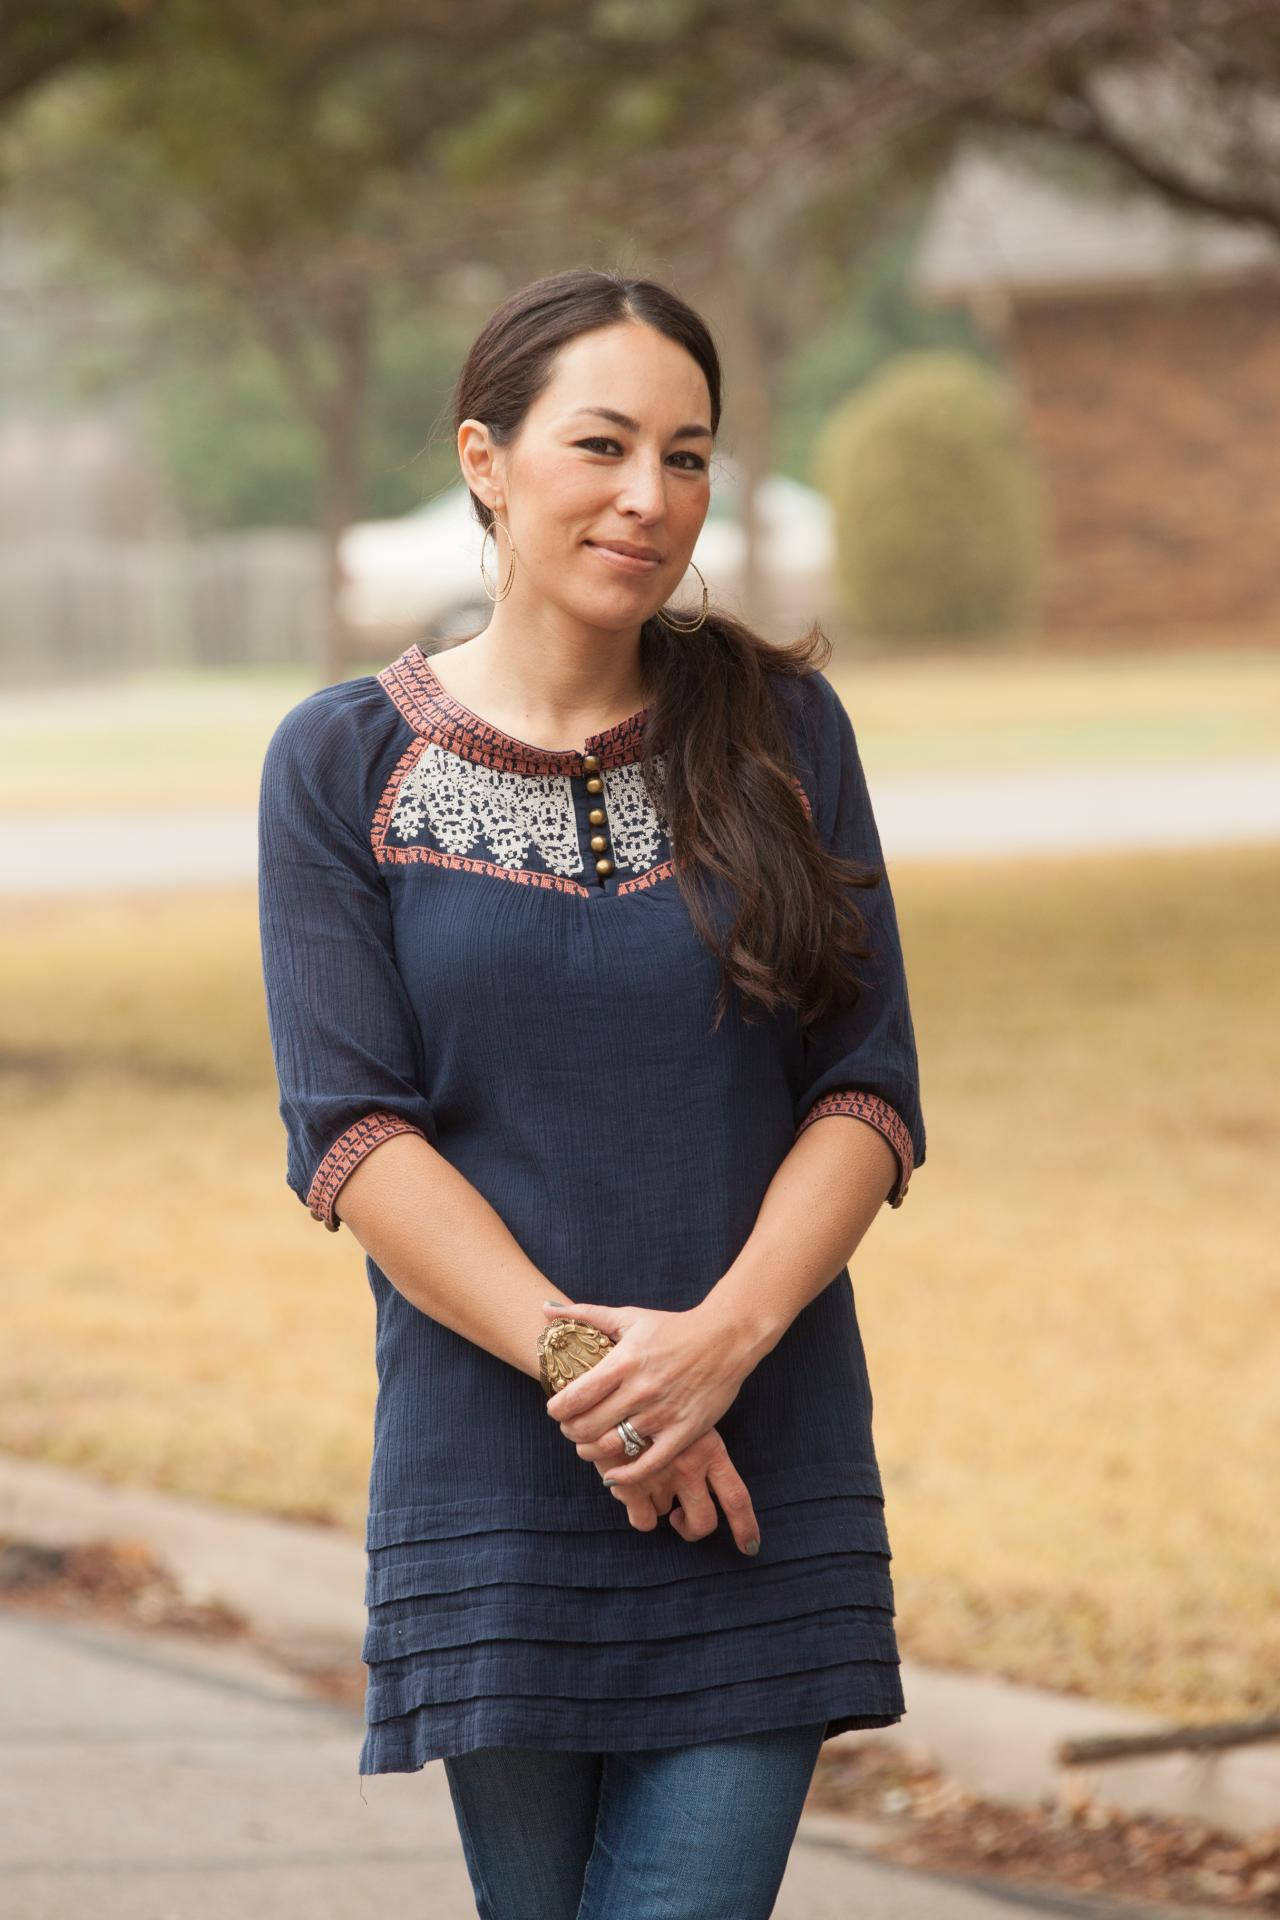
<point x="152" y="1778"/>
<point x="1192" y="803"/>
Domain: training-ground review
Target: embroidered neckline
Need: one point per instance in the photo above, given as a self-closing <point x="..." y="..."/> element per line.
<point x="421" y="696"/>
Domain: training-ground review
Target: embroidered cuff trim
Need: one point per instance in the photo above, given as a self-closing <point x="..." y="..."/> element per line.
<point x="345" y="1155"/>
<point x="870" y="1107"/>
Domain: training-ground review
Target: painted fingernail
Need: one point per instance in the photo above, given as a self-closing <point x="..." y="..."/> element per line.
<point x="752" y="1546"/>
<point x="608" y="1483"/>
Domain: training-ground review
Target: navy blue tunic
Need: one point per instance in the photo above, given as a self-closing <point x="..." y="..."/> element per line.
<point x="441" y="956"/>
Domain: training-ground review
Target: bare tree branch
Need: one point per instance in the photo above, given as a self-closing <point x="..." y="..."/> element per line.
<point x="1074" y="118"/>
<point x="42" y="41"/>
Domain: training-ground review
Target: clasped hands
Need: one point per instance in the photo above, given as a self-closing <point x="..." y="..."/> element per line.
<point x="672" y="1375"/>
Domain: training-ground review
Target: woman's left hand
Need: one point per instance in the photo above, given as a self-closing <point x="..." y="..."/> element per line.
<point x="671" y="1374"/>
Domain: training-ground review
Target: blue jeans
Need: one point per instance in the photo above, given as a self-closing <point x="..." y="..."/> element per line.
<point x="701" y="1831"/>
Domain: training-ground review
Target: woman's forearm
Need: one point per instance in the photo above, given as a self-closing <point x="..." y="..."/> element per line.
<point x="820" y="1202"/>
<point x="443" y="1246"/>
<point x="434" y="1235"/>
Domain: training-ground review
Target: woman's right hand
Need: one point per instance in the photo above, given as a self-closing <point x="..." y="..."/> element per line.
<point x="683" y="1489"/>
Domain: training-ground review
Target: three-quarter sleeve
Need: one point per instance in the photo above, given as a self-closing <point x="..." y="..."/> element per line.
<point x="344" y="1034"/>
<point x="860" y="1061"/>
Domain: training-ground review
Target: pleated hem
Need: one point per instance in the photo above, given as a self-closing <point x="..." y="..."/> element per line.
<point x="487" y="1629"/>
<point x="593" y="1512"/>
<point x="748" y="1596"/>
<point x="613" y="1559"/>
<point x="629" y="1670"/>
<point x="863" y="1693"/>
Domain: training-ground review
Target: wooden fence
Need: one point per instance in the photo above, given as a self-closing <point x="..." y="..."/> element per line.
<point x="75" y="608"/>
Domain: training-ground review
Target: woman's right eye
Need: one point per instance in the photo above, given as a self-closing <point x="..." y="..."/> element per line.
<point x="598" y="440"/>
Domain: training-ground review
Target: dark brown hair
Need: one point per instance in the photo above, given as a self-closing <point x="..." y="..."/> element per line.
<point x="735" y="817"/>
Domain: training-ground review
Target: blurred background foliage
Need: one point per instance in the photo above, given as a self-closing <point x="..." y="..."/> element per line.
<point x="939" y="523"/>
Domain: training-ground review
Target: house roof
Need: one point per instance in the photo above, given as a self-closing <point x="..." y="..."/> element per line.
<point x="996" y="223"/>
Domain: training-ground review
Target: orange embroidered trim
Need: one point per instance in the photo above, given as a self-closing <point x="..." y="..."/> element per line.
<point x="410" y="682"/>
<point x="345" y="1155"/>
<point x="663" y="871"/>
<point x="870" y="1107"/>
<point x="523" y="876"/>
<point x="468" y="863"/>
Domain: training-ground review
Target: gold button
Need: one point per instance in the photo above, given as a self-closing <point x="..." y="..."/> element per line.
<point x="598" y="842"/>
<point x="596" y="816"/>
<point x="591" y="762"/>
<point x="604" y="867"/>
<point x="595" y="784"/>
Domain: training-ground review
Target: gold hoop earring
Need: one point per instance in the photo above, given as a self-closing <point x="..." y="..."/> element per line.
<point x="681" y="626"/>
<point x="505" y="589"/>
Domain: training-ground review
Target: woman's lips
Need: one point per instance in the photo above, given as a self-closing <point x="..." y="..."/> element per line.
<point x="629" y="562"/>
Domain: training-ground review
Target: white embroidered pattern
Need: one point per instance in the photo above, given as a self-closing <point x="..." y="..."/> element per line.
<point x="635" y="827"/>
<point x="464" y="805"/>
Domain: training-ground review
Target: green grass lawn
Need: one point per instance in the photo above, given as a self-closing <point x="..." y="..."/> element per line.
<point x="1073" y="1324"/>
<point x="197" y="740"/>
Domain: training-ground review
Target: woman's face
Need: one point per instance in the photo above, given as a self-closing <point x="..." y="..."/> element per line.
<point x="574" y="481"/>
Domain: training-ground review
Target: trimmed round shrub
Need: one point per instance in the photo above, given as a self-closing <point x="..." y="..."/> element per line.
<point x="937" y="500"/>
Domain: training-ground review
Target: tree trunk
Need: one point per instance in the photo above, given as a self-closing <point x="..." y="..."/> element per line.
<point x="343" y="432"/>
<point x="753" y="435"/>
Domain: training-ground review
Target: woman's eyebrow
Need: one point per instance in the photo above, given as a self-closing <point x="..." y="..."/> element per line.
<point x="691" y="432"/>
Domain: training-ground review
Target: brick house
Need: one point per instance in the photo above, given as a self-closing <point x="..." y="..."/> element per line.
<point x="1146" y="345"/>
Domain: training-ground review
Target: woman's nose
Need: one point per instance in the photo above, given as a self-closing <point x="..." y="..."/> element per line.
<point x="644" y="491"/>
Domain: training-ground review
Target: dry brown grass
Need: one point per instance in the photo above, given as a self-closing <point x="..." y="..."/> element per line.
<point x="176" y="1318"/>
<point x="1073" y="1324"/>
<point x="1074" y="1320"/>
<point x="991" y="711"/>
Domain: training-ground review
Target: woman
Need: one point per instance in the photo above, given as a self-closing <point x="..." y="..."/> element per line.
<point x="580" y="959"/>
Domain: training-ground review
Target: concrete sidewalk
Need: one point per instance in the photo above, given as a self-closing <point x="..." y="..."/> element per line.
<point x="302" y="1587"/>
